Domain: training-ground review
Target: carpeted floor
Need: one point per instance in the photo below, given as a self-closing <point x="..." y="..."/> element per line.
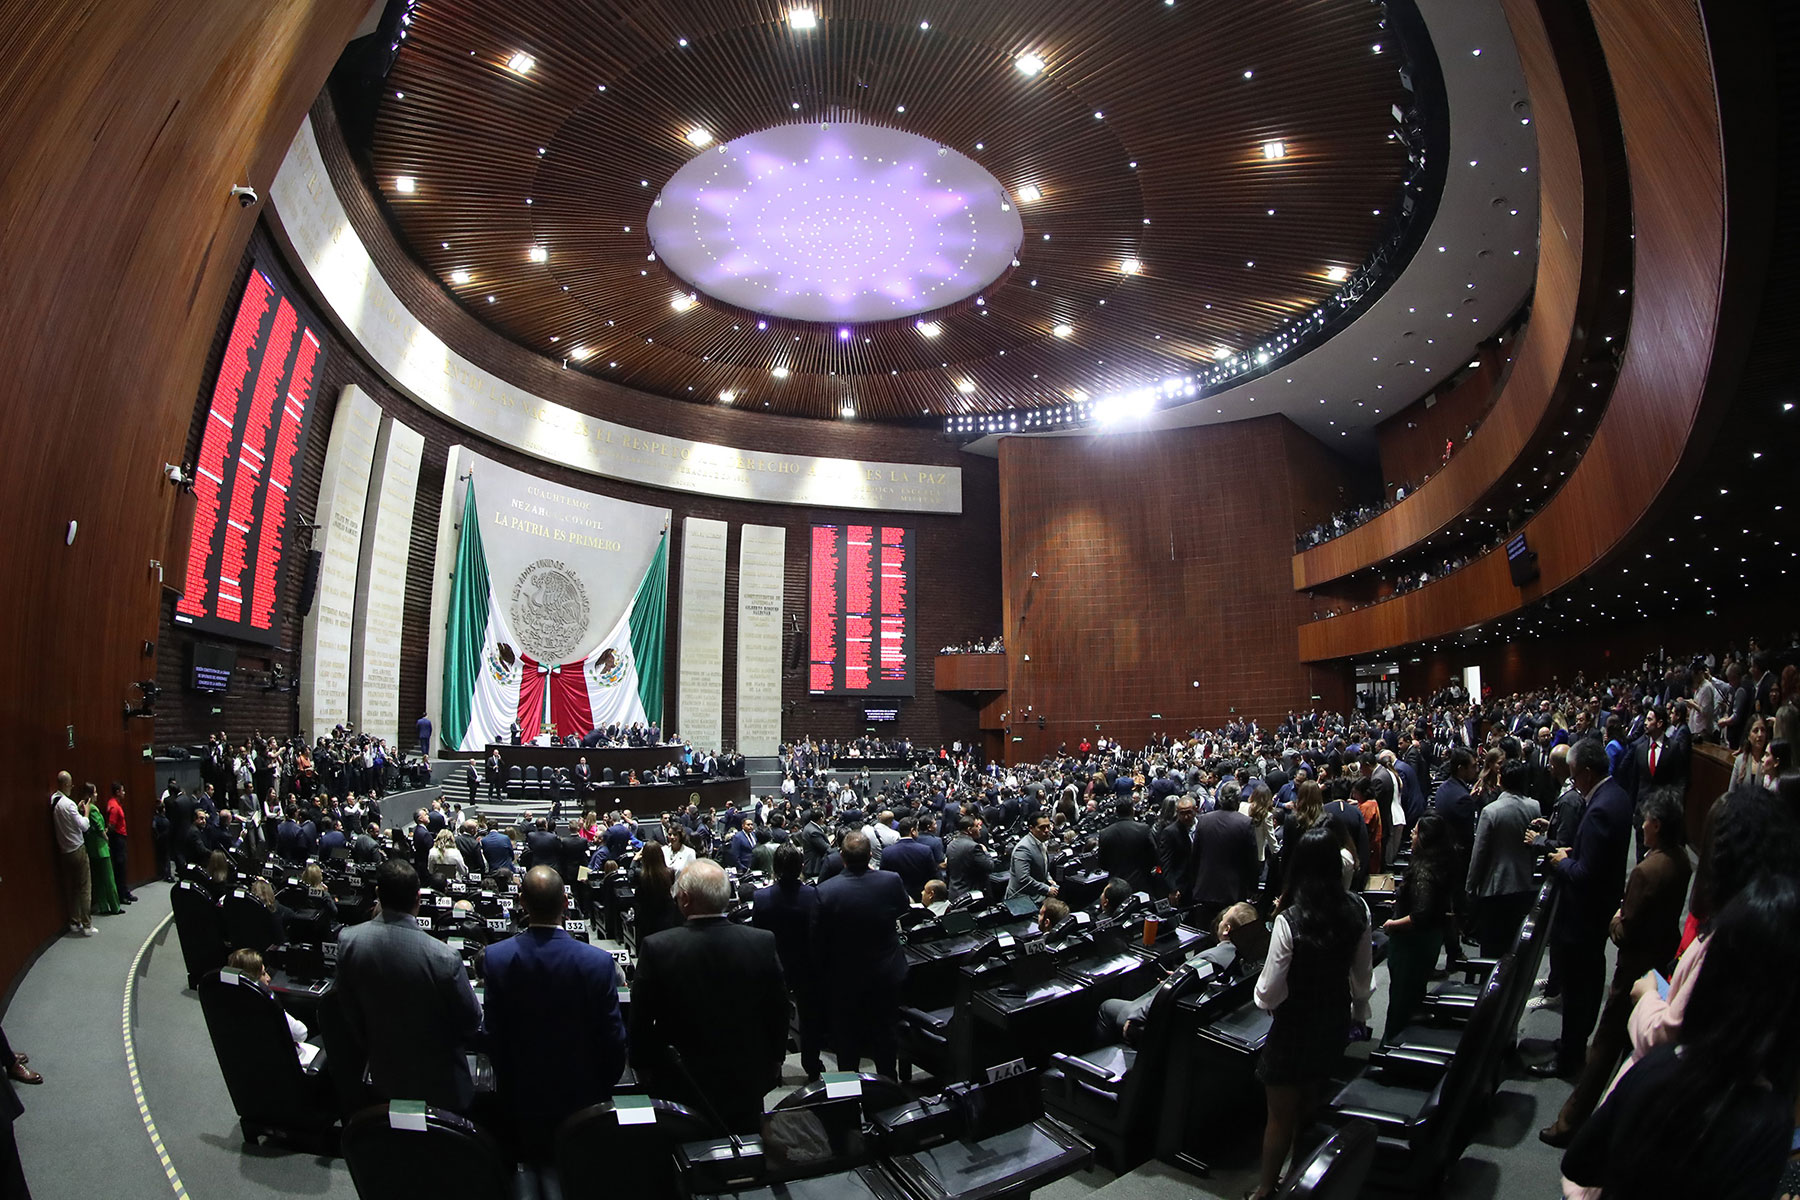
<point x="83" y="1134"/>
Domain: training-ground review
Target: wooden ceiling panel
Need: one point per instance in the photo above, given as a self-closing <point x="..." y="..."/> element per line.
<point x="591" y="133"/>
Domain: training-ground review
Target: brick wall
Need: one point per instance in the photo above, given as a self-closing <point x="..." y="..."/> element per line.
<point x="1163" y="579"/>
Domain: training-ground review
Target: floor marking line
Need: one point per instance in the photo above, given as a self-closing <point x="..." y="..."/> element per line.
<point x="131" y="1064"/>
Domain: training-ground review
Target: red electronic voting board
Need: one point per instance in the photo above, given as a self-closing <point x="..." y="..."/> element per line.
<point x="249" y="452"/>
<point x="861" y="629"/>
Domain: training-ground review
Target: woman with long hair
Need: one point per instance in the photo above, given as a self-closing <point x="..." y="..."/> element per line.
<point x="445" y="861"/>
<point x="1712" y="1115"/>
<point x="1747" y="765"/>
<point x="653" y="903"/>
<point x="100" y="870"/>
<point x="1422" y="918"/>
<point x="1316" y="982"/>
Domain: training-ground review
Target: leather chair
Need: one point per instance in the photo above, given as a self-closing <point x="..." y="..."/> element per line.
<point x="1337" y="1170"/>
<point x="600" y="1157"/>
<point x="198" y="927"/>
<point x="534" y="783"/>
<point x="398" y="1149"/>
<point x="515" y="782"/>
<point x="1108" y="1093"/>
<point x="245" y="923"/>
<point x="273" y="1094"/>
<point x="1420" y="1107"/>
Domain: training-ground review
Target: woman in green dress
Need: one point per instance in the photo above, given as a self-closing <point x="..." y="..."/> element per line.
<point x="105" y="887"/>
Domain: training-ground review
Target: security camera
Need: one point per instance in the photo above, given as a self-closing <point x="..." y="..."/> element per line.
<point x="174" y="474"/>
<point x="246" y="195"/>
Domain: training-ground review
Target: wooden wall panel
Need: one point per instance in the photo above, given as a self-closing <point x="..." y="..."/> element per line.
<point x="971" y="673"/>
<point x="1161" y="580"/>
<point x="1411" y="442"/>
<point x="1566" y="290"/>
<point x="1692" y="313"/>
<point x="125" y="125"/>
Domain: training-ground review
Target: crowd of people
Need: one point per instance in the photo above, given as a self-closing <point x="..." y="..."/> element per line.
<point x="993" y="645"/>
<point x="1269" y="838"/>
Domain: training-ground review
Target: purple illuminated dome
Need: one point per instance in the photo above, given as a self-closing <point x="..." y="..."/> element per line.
<point x="843" y="223"/>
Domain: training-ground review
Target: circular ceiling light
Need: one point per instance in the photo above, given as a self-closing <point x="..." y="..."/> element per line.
<point x="838" y="224"/>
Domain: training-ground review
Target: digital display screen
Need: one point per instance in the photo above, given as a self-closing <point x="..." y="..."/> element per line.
<point x="861" y="631"/>
<point x="249" y="451"/>
<point x="213" y="667"/>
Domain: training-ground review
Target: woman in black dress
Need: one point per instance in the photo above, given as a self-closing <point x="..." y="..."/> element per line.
<point x="1316" y="982"/>
<point x="653" y="893"/>
<point x="1422" y="919"/>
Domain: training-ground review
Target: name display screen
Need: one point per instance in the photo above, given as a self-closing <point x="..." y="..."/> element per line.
<point x="861" y="631"/>
<point x="249" y="451"/>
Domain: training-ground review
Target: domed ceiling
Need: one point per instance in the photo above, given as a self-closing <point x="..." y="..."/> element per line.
<point x="892" y="209"/>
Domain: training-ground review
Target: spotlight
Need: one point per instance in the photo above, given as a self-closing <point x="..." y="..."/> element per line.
<point x="929" y="329"/>
<point x="1029" y="194"/>
<point x="404" y="184"/>
<point x="698" y="137"/>
<point x="682" y="302"/>
<point x="802" y="18"/>
<point x="1274" y="149"/>
<point x="1063" y="331"/>
<point x="538" y="254"/>
<point x="1028" y="64"/>
<point x="1130" y="266"/>
<point x="521" y="63"/>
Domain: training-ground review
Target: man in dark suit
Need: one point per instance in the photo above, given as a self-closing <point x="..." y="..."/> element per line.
<point x="681" y="974"/>
<point x="1456" y="804"/>
<point x="180" y="808"/>
<point x="857" y="943"/>
<point x="542" y="848"/>
<point x="910" y="859"/>
<point x="1659" y="759"/>
<point x="1647" y="930"/>
<point x="1226" y="845"/>
<point x="406" y="999"/>
<point x="533" y="979"/>
<point x="967" y="863"/>
<point x="422" y="838"/>
<point x="1176" y="855"/>
<point x="1592" y="871"/>
<point x="786" y="908"/>
<point x="743" y="843"/>
<point x="468" y="844"/>
<point x="497" y="849"/>
<point x="813" y="842"/>
<point x="1127" y="851"/>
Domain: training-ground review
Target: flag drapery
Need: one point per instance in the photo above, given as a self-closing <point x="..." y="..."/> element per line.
<point x="489" y="683"/>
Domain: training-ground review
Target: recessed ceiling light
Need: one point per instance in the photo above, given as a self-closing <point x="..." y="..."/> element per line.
<point x="1274" y="149"/>
<point x="1063" y="331"/>
<point x="779" y="372"/>
<point x="1248" y="74"/>
<point x="579" y="353"/>
<point x="521" y="63"/>
<point x="682" y="301"/>
<point x="697" y="137"/>
<point x="930" y="328"/>
<point x="965" y="386"/>
<point x="490" y="299"/>
<point x="1029" y="194"/>
<point x="459" y="276"/>
<point x="1130" y="266"/>
<point x="538" y="254"/>
<point x="404" y="183"/>
<point x="727" y="396"/>
<point x="1337" y="274"/>
<point x="802" y="17"/>
<point x="847" y="410"/>
<point x="1028" y="64"/>
<point x="924" y="24"/>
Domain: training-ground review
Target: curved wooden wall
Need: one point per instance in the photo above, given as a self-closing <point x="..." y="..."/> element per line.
<point x="125" y="125"/>
<point x="1570" y="185"/>
<point x="1691" y="317"/>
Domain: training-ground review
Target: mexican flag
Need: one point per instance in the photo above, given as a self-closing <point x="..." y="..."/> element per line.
<point x="489" y="683"/>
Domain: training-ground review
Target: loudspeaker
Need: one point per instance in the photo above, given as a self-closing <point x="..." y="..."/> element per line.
<point x="309" y="582"/>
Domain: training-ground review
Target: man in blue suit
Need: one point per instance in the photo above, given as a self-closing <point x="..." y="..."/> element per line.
<point x="533" y="980"/>
<point x="785" y="908"/>
<point x="910" y="859"/>
<point x="497" y="849"/>
<point x="1592" y="871"/>
<point x="856" y="937"/>
<point x="743" y="844"/>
